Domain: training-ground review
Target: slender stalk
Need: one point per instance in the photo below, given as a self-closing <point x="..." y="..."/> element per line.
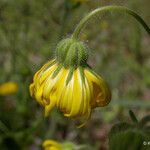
<point x="118" y="9"/>
<point x="64" y="19"/>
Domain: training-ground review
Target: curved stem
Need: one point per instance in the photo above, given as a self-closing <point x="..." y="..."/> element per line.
<point x="122" y="9"/>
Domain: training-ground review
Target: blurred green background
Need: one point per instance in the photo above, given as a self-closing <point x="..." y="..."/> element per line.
<point x="119" y="51"/>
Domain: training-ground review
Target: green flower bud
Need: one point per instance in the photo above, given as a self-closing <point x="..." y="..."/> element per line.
<point x="71" y="52"/>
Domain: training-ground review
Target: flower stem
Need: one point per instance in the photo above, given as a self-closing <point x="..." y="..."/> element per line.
<point x="122" y="9"/>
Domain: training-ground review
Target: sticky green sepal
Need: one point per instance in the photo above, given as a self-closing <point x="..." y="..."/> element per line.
<point x="62" y="49"/>
<point x="82" y="74"/>
<point x="70" y="75"/>
<point x="57" y="71"/>
<point x="72" y="53"/>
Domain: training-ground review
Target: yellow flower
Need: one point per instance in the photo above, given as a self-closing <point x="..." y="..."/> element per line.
<point x="74" y="99"/>
<point x="69" y="84"/>
<point x="51" y="145"/>
<point x="8" y="88"/>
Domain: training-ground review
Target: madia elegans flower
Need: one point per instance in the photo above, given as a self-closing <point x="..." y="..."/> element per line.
<point x="68" y="83"/>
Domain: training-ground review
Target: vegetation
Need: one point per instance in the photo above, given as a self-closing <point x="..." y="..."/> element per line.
<point x="119" y="52"/>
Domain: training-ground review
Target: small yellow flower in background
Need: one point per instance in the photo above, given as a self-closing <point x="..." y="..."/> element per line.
<point x="8" y="88"/>
<point x="54" y="145"/>
<point x="68" y="83"/>
<point x="51" y="145"/>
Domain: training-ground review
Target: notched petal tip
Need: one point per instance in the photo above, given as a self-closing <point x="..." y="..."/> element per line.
<point x="84" y="119"/>
<point x="48" y="108"/>
<point x="46" y="112"/>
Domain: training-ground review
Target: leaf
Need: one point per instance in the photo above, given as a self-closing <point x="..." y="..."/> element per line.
<point x="132" y="116"/>
<point x="128" y="140"/>
<point x="119" y="127"/>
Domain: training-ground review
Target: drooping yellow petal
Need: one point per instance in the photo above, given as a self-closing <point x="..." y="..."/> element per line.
<point x="66" y="98"/>
<point x="36" y="80"/>
<point x="50" y="91"/>
<point x="101" y="91"/>
<point x="50" y="82"/>
<point x="61" y="87"/>
<point x="55" y="87"/>
<point x="39" y="93"/>
<point x="77" y="94"/>
<point x="87" y="98"/>
<point x="44" y="67"/>
<point x="52" y="102"/>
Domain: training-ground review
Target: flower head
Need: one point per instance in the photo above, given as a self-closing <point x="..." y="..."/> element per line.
<point x="51" y="145"/>
<point x="69" y="84"/>
<point x="8" y="88"/>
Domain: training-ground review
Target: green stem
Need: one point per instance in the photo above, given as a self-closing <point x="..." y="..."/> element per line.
<point x="64" y="19"/>
<point x="122" y="9"/>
